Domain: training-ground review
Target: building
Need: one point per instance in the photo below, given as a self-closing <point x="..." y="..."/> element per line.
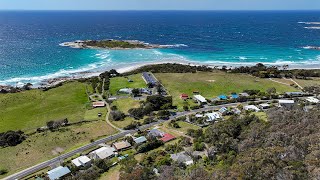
<point x="122" y="145"/>
<point x="167" y="137"/>
<point x="155" y="133"/>
<point x="145" y="91"/>
<point x="102" y="153"/>
<point x="182" y="158"/>
<point x="125" y="91"/>
<point x="236" y="111"/>
<point x="294" y="94"/>
<point x="251" y="108"/>
<point x="200" y="99"/>
<point x="234" y="96"/>
<point x="312" y="100"/>
<point x="140" y="140"/>
<point x="244" y="94"/>
<point x="213" y="116"/>
<point x="184" y="96"/>
<point x="149" y="79"/>
<point x="224" y="111"/>
<point x="264" y="106"/>
<point x="286" y="103"/>
<point x="223" y="97"/>
<point x="81" y="161"/>
<point x="58" y="172"/>
<point x="98" y="104"/>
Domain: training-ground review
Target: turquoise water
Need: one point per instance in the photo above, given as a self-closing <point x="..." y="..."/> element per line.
<point x="30" y="51"/>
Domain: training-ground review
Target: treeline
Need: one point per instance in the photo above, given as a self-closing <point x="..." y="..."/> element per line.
<point x="262" y="71"/>
<point x="169" y="68"/>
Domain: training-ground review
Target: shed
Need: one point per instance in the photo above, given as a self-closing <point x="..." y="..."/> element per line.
<point x="200" y="99"/>
<point x="58" y="172"/>
<point x="184" y="96"/>
<point x="286" y="103"/>
<point x="223" y="97"/>
<point x="98" y="104"/>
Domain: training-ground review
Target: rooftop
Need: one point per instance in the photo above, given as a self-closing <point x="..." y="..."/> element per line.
<point x="81" y="161"/>
<point x="167" y="137"/>
<point x="213" y="116"/>
<point x="140" y="139"/>
<point x="182" y="158"/>
<point x="121" y="145"/>
<point x="102" y="153"/>
<point x="58" y="172"/>
<point x="200" y="98"/>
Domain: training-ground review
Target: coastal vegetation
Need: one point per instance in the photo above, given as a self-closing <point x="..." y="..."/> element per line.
<point x="114" y="44"/>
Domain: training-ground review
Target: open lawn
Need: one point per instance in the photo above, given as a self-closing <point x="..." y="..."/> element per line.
<point x="43" y="146"/>
<point x="125" y="104"/>
<point x="92" y="114"/>
<point x="29" y="110"/>
<point x="184" y="126"/>
<point x="212" y="84"/>
<point x="305" y="83"/>
<point x="112" y="174"/>
<point x="122" y="82"/>
<point x="125" y="122"/>
<point x="261" y="115"/>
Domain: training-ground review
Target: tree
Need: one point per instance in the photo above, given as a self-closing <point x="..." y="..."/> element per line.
<point x="117" y="115"/>
<point x="11" y="138"/>
<point x="135" y="92"/>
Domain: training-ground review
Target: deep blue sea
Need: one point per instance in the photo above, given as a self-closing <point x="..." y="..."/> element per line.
<point x="30" y="51"/>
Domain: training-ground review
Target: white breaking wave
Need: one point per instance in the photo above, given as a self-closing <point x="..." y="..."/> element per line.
<point x="174" y="45"/>
<point x="310" y="23"/>
<point x="318" y="28"/>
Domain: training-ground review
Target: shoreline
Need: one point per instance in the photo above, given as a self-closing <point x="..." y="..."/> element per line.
<point x="131" y="67"/>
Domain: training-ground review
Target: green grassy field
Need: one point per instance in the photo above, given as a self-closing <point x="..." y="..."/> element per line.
<point x="31" y="109"/>
<point x="122" y="82"/>
<point x="43" y="146"/>
<point x="304" y="83"/>
<point x="125" y="104"/>
<point x="212" y="84"/>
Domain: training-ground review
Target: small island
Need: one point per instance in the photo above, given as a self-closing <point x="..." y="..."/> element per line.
<point x="111" y="44"/>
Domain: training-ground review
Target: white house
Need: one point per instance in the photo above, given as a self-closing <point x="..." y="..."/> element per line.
<point x="58" y="172"/>
<point x="213" y="116"/>
<point x="81" y="161"/>
<point x="286" y="103"/>
<point x="251" y="108"/>
<point x="200" y="99"/>
<point x="102" y="153"/>
<point x="312" y="100"/>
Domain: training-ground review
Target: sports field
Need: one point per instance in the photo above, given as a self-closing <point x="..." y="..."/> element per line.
<point x="212" y="84"/>
<point x="29" y="110"/>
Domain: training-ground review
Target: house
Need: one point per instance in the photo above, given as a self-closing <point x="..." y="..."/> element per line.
<point x="149" y="79"/>
<point x="286" y="103"/>
<point x="182" y="158"/>
<point x="234" y="96"/>
<point x="81" y="161"/>
<point x="167" y="137"/>
<point x="125" y="91"/>
<point x="294" y="94"/>
<point x="184" y="96"/>
<point x="102" y="153"/>
<point x="200" y="99"/>
<point x="58" y="172"/>
<point x="145" y="91"/>
<point x="140" y="140"/>
<point x="224" y="111"/>
<point x="213" y="116"/>
<point x="122" y="145"/>
<point x="223" y="97"/>
<point x="155" y="133"/>
<point x="236" y="111"/>
<point x="251" y="108"/>
<point x="312" y="100"/>
<point x="98" y="104"/>
<point x="264" y="106"/>
<point x="244" y="94"/>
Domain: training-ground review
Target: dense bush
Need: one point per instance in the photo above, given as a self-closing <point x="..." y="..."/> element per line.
<point x="150" y="145"/>
<point x="117" y="115"/>
<point x="11" y="138"/>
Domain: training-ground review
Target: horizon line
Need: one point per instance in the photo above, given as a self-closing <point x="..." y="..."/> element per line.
<point x="160" y="10"/>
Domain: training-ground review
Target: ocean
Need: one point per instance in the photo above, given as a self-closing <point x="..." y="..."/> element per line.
<point x="30" y="51"/>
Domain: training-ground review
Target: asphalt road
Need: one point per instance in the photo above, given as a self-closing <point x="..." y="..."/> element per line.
<point x="55" y="160"/>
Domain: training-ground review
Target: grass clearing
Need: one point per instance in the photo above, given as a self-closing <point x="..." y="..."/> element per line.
<point x="261" y="115"/>
<point x="125" y="104"/>
<point x="184" y="126"/>
<point x="122" y="82"/>
<point x="212" y="84"/>
<point x="305" y="83"/>
<point x="43" y="146"/>
<point x="29" y="110"/>
<point x="92" y="114"/>
<point x="112" y="174"/>
<point x="125" y="122"/>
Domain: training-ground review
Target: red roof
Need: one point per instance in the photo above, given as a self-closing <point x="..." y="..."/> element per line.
<point x="167" y="137"/>
<point x="184" y="96"/>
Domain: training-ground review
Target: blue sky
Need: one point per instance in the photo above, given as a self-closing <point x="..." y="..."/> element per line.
<point x="159" y="4"/>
